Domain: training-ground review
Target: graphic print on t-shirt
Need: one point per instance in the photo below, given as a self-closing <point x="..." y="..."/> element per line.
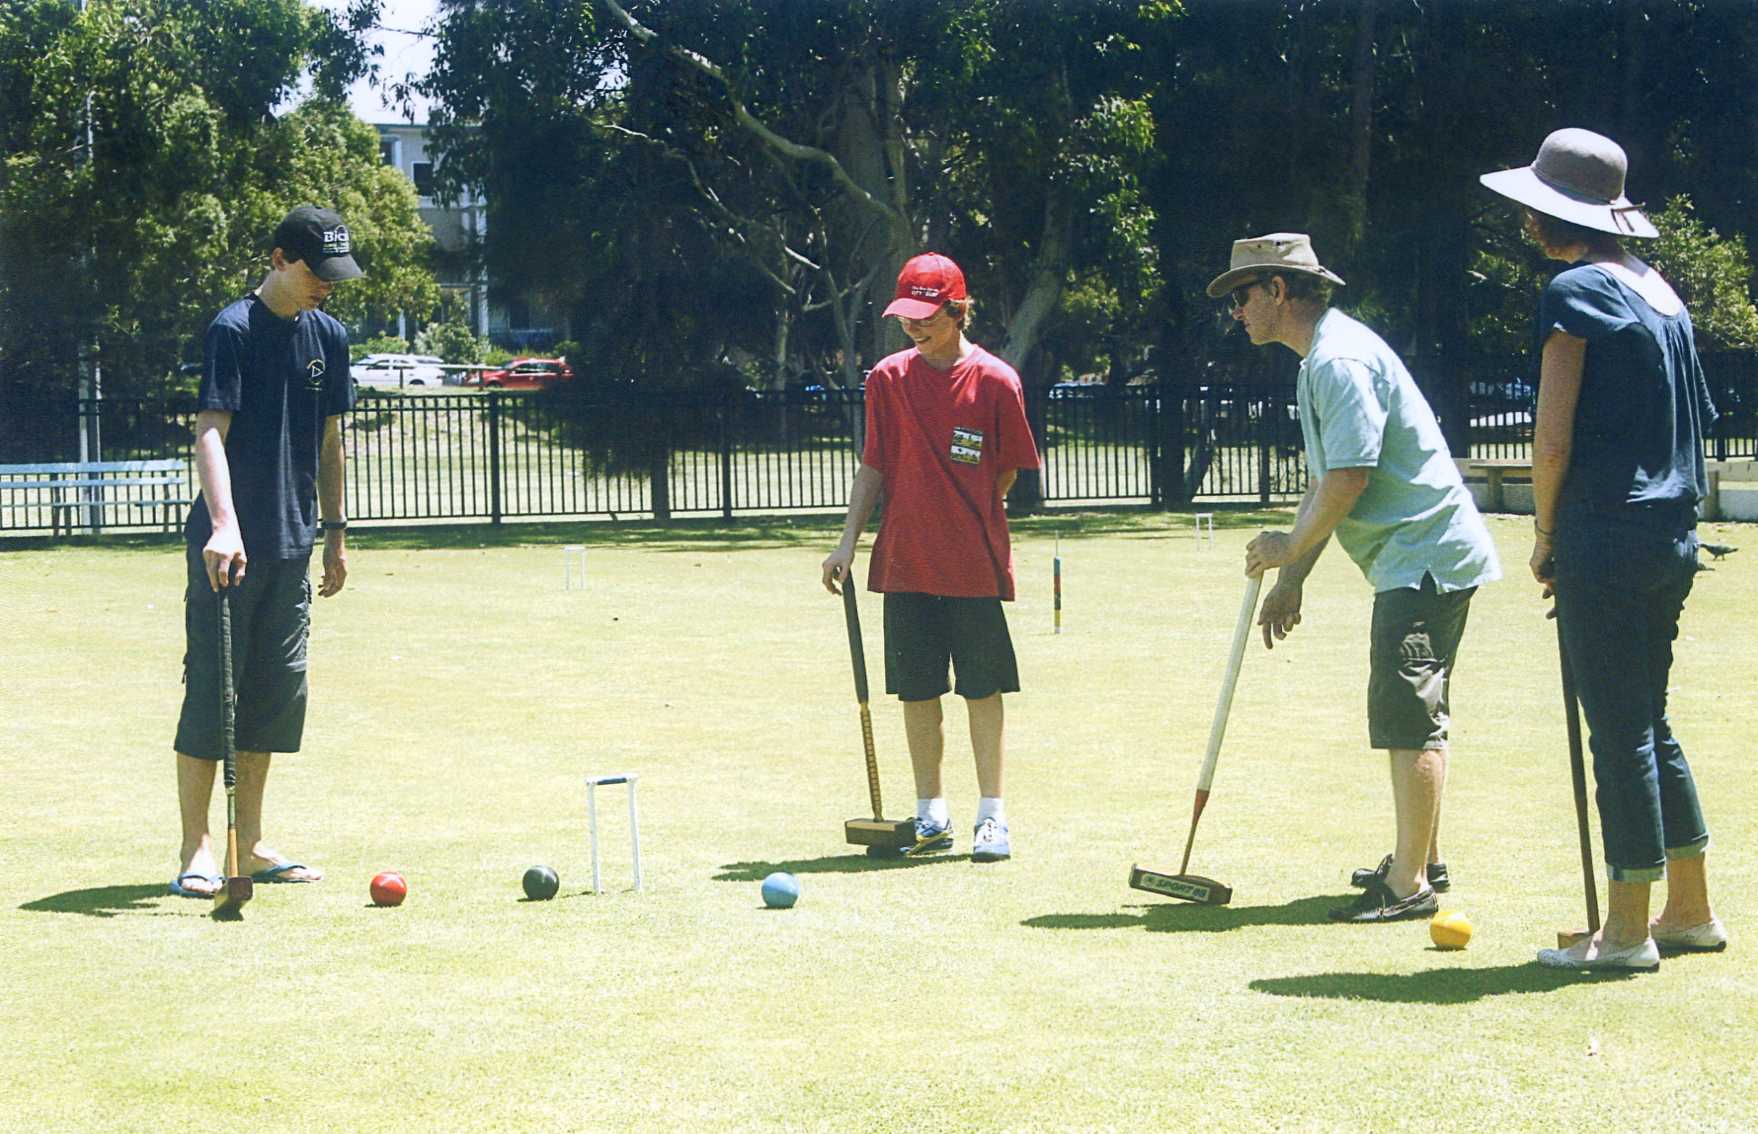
<point x="314" y="375"/>
<point x="967" y="446"/>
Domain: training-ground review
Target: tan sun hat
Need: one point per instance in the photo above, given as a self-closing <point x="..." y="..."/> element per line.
<point x="1578" y="176"/>
<point x="1266" y="255"/>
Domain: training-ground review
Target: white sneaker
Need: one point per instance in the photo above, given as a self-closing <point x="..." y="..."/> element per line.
<point x="989" y="842"/>
<point x="1591" y="955"/>
<point x="1708" y="937"/>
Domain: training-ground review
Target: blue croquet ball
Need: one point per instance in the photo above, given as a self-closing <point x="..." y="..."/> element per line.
<point x="781" y="890"/>
<point x="541" y="883"/>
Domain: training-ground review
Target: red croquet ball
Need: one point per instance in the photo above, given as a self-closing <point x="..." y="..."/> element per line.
<point x="389" y="889"/>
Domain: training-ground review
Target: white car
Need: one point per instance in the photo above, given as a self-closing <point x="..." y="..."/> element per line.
<point x="394" y="371"/>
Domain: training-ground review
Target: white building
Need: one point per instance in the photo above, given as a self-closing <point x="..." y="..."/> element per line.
<point x="462" y="228"/>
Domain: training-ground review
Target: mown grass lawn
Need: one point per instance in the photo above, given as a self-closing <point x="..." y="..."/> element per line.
<point x="460" y="697"/>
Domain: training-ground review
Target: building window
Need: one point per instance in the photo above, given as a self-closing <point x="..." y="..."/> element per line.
<point x="422" y="172"/>
<point x="387" y="150"/>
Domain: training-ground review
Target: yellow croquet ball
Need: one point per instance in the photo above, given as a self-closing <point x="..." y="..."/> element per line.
<point x="1450" y="929"/>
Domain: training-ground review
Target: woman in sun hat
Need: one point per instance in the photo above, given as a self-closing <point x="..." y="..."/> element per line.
<point x="1617" y="471"/>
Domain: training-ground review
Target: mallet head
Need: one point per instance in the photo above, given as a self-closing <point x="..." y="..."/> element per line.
<point x="886" y="834"/>
<point x="1568" y="937"/>
<point x="1184" y="887"/>
<point x="229" y="899"/>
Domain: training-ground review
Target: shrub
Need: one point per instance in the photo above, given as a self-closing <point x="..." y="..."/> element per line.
<point x="378" y="344"/>
<point x="452" y="342"/>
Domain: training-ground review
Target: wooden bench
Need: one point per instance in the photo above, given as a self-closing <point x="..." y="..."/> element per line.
<point x="72" y="485"/>
<point x="1494" y="472"/>
<point x="1743" y="473"/>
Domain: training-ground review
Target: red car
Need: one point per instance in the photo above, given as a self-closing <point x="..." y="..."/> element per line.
<point x="525" y="374"/>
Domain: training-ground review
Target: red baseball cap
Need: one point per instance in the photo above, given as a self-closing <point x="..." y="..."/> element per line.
<point x="926" y="283"/>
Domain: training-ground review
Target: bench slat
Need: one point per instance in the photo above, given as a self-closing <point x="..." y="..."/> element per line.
<point x="83" y="467"/>
<point x="22" y="485"/>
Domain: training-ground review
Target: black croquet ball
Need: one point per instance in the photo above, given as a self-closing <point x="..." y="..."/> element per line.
<point x="541" y="883"/>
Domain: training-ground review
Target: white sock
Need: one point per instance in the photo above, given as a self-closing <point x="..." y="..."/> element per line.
<point x="991" y="807"/>
<point x="933" y="811"/>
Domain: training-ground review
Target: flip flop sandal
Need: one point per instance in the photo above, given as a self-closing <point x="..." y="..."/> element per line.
<point x="278" y="874"/>
<point x="178" y="889"/>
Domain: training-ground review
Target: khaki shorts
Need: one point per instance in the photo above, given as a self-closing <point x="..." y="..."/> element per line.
<point x="1415" y="640"/>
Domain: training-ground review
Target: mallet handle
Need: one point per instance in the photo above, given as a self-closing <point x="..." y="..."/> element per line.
<point x="856" y="652"/>
<point x="1223" y="706"/>
<point x="1578" y="776"/>
<point x="858" y="659"/>
<point x="229" y="729"/>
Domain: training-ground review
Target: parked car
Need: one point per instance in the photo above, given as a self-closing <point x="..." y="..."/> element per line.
<point x="393" y="371"/>
<point x="1515" y="391"/>
<point x="524" y="374"/>
<point x="447" y="377"/>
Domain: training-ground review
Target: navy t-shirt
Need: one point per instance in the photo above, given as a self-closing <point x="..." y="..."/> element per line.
<point x="279" y="378"/>
<point x="1644" y="403"/>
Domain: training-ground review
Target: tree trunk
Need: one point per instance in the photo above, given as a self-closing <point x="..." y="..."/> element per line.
<point x="1044" y="288"/>
<point x="1360" y="129"/>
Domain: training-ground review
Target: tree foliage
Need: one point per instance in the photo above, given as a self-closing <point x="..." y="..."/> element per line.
<point x="1712" y="274"/>
<point x="754" y="173"/>
<point x="130" y="243"/>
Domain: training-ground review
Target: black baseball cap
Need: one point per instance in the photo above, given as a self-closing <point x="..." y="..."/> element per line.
<point x="318" y="237"/>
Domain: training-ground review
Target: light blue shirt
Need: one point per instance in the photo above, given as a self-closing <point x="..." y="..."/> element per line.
<point x="1359" y="408"/>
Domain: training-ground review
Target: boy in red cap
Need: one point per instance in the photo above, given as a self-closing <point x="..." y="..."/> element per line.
<point x="946" y="436"/>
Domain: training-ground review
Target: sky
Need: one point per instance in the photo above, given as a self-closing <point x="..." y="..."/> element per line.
<point x="404" y="54"/>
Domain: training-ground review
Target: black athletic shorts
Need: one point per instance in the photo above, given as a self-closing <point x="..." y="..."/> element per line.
<point x="923" y="633"/>
<point x="271" y="623"/>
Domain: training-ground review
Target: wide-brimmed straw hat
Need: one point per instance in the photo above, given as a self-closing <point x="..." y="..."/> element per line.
<point x="1578" y="176"/>
<point x="1267" y="255"/>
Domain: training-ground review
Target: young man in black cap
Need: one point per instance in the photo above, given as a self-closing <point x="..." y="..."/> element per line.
<point x="268" y="449"/>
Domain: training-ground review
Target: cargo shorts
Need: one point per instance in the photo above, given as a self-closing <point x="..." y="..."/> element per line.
<point x="1414" y="644"/>
<point x="271" y="626"/>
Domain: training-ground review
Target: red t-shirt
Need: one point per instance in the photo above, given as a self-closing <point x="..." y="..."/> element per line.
<point x="942" y="440"/>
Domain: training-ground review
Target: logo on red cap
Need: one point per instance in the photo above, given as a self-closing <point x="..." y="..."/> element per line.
<point x="926" y="283"/>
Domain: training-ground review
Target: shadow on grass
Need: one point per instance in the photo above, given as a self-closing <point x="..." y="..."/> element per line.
<point x="101" y="901"/>
<point x="832" y="864"/>
<point x="1174" y="917"/>
<point x="1434" y="986"/>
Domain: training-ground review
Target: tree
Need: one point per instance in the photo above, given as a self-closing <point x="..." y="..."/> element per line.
<point x="803" y="150"/>
<point x="145" y="169"/>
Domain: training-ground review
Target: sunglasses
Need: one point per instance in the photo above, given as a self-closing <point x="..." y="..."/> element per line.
<point x="1238" y="297"/>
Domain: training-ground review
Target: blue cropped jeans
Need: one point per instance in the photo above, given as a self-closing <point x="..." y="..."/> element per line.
<point x="1620" y="589"/>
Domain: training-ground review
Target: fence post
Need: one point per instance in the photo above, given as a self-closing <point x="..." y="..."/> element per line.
<point x="1266" y="439"/>
<point x="659" y="466"/>
<point x="1172" y="441"/>
<point x="726" y="489"/>
<point x="494" y="456"/>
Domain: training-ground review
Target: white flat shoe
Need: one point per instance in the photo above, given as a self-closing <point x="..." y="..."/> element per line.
<point x="1707" y="937"/>
<point x="1592" y="956"/>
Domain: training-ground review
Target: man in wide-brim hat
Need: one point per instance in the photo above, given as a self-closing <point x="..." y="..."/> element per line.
<point x="1381" y="478"/>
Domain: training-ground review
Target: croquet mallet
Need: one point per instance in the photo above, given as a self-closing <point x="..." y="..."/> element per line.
<point x="1577" y="773"/>
<point x="1193" y="887"/>
<point x="235" y="889"/>
<point x="879" y="835"/>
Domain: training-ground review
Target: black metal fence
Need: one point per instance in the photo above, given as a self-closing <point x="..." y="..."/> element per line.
<point x="499" y="455"/>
